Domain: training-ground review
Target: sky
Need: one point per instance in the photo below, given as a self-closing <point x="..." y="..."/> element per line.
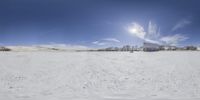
<point x="99" y="23"/>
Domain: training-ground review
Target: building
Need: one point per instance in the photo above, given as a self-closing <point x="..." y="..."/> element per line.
<point x="168" y="47"/>
<point x="126" y="48"/>
<point x="150" y="47"/>
<point x="191" y="48"/>
<point x="4" y="49"/>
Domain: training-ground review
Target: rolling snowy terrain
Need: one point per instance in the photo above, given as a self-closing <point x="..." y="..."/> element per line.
<point x="58" y="75"/>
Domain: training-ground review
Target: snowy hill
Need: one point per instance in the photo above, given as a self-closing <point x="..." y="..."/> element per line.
<point x="54" y="47"/>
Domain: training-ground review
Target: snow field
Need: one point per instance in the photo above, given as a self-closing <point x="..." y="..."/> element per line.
<point x="99" y="75"/>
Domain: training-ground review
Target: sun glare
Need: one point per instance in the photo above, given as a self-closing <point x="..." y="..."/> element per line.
<point x="133" y="30"/>
<point x="137" y="30"/>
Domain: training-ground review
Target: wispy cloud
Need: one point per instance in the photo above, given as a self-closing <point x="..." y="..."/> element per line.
<point x="111" y="39"/>
<point x="99" y="43"/>
<point x="62" y="46"/>
<point x="173" y="39"/>
<point x="150" y="36"/>
<point x="152" y="41"/>
<point x="106" y="41"/>
<point x="153" y="31"/>
<point x="137" y="30"/>
<point x="153" y="34"/>
<point x="182" y="23"/>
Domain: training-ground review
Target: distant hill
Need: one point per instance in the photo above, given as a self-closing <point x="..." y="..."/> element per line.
<point x="55" y="47"/>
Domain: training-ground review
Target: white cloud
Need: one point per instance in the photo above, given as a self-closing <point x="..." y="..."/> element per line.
<point x="111" y="39"/>
<point x="152" y="41"/>
<point x="180" y="24"/>
<point x="99" y="43"/>
<point x="174" y="39"/>
<point x="150" y="36"/>
<point x="153" y="31"/>
<point x="137" y="30"/>
<point x="106" y="41"/>
<point x="61" y="46"/>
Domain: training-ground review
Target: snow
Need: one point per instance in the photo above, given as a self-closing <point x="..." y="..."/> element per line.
<point x="165" y="75"/>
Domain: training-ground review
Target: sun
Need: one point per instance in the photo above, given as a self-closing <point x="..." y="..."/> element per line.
<point x="136" y="30"/>
<point x="133" y="30"/>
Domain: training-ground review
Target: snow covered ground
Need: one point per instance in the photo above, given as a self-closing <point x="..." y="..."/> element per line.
<point x="100" y="75"/>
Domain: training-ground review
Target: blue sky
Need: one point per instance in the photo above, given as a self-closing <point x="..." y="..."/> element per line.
<point x="99" y="23"/>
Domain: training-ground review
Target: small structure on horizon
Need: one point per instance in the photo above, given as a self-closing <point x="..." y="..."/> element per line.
<point x="4" y="49"/>
<point x="191" y="48"/>
<point x="150" y="46"/>
<point x="126" y="48"/>
<point x="168" y="47"/>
